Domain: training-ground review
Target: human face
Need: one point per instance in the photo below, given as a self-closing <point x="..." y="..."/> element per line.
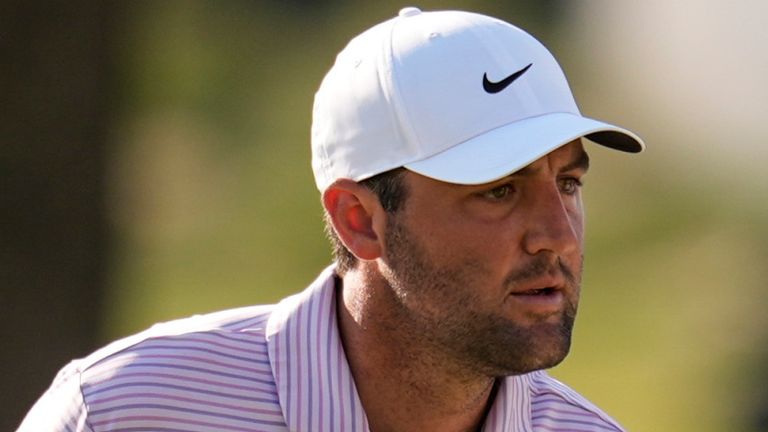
<point x="488" y="276"/>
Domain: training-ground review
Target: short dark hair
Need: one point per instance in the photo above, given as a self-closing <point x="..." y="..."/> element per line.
<point x="389" y="187"/>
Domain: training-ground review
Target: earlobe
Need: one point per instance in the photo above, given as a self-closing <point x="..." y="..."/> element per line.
<point x="352" y="209"/>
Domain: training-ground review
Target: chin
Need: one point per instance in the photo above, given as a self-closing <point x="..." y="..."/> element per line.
<point x="545" y="361"/>
<point x="541" y="349"/>
<point x="552" y="348"/>
<point x="551" y="360"/>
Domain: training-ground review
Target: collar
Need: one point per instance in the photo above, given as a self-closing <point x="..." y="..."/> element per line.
<point x="314" y="381"/>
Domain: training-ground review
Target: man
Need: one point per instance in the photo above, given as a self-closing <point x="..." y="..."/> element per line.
<point x="448" y="150"/>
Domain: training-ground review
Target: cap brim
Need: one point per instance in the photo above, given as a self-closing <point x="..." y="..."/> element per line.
<point x="504" y="150"/>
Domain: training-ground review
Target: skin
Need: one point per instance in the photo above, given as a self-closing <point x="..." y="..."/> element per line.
<point x="442" y="300"/>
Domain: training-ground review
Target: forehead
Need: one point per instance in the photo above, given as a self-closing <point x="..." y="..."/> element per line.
<point x="566" y="153"/>
<point x="569" y="156"/>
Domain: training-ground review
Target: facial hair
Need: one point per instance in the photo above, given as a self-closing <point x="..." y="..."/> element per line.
<point x="440" y="305"/>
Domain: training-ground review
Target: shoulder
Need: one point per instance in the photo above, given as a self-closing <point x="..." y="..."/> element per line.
<point x="557" y="407"/>
<point x="238" y="329"/>
<point x="205" y="370"/>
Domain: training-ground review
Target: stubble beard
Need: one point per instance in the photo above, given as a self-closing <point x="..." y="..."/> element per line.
<point x="438" y="307"/>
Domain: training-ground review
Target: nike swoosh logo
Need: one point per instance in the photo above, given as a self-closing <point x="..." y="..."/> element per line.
<point x="495" y="87"/>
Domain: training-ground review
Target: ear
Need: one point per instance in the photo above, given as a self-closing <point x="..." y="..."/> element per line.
<point x="357" y="217"/>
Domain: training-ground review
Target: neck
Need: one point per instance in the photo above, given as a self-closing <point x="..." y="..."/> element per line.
<point x="404" y="385"/>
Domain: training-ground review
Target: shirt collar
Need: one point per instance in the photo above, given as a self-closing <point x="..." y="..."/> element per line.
<point x="313" y="379"/>
<point x="511" y="410"/>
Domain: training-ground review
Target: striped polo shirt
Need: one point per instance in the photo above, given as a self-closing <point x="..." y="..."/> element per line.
<point x="261" y="368"/>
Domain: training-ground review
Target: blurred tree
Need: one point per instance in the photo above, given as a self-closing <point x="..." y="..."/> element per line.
<point x="54" y="243"/>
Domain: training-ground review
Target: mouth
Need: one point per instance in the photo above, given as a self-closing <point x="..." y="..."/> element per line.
<point x="538" y="292"/>
<point x="545" y="300"/>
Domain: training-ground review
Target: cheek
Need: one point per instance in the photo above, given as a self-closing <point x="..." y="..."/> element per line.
<point x="481" y="243"/>
<point x="463" y="248"/>
<point x="443" y="234"/>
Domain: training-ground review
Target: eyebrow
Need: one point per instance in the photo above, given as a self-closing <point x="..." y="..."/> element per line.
<point x="580" y="162"/>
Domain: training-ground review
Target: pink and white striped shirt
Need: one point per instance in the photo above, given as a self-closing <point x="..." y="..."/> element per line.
<point x="262" y="368"/>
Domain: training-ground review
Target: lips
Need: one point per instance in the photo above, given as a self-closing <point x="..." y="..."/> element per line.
<point x="542" y="297"/>
<point x="541" y="286"/>
<point x="538" y="291"/>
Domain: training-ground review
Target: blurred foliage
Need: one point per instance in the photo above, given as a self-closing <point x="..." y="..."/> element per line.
<point x="214" y="203"/>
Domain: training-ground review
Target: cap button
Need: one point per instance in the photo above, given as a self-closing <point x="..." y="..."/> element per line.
<point x="409" y="11"/>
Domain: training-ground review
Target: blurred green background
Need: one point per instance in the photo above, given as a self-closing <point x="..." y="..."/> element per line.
<point x="155" y="164"/>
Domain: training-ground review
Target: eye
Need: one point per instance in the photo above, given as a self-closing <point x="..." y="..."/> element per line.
<point x="499" y="193"/>
<point x="570" y="185"/>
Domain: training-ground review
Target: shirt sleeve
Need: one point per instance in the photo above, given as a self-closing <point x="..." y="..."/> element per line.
<point x="61" y="408"/>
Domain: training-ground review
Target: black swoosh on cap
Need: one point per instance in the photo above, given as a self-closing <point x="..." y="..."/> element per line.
<point x="495" y="87"/>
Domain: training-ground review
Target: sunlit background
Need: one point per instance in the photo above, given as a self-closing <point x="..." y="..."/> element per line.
<point x="155" y="161"/>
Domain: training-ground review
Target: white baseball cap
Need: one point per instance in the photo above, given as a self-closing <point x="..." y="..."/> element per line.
<point x="456" y="96"/>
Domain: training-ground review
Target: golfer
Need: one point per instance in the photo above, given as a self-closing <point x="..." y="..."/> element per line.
<point x="449" y="154"/>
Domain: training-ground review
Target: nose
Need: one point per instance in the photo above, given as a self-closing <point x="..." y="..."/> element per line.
<point x="555" y="224"/>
